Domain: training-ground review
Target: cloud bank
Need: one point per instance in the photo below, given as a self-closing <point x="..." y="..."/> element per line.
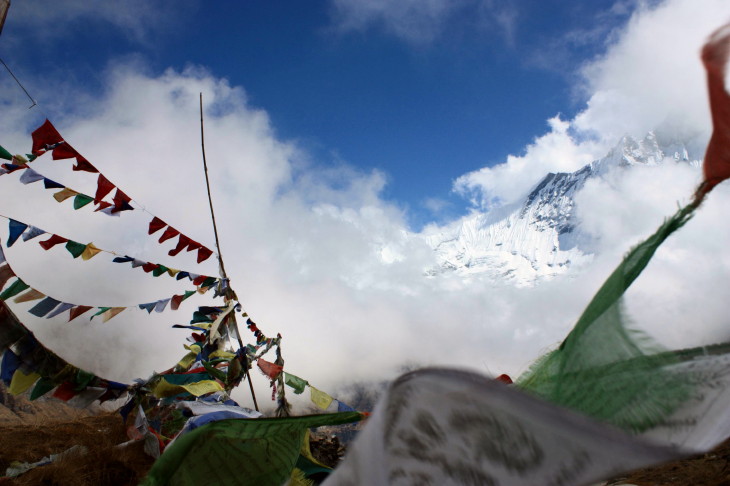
<point x="316" y="254"/>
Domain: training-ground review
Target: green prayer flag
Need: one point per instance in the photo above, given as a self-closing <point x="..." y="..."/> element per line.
<point x="4" y="154"/>
<point x="295" y="382"/>
<point x="101" y="311"/>
<point x="42" y="386"/>
<point x="264" y="451"/>
<point x="208" y="282"/>
<point x="82" y="200"/>
<point x="17" y="287"/>
<point x="188" y="293"/>
<point x="608" y="370"/>
<point x="159" y="270"/>
<point x="74" y="248"/>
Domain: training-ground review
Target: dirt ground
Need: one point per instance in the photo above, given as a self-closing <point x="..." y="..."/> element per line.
<point x="105" y="464"/>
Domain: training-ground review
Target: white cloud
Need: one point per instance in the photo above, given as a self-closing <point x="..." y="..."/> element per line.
<point x="650" y="78"/>
<point x="422" y="21"/>
<point x="315" y="253"/>
<point x="136" y="18"/>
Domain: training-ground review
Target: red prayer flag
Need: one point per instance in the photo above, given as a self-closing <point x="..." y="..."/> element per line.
<point x="156" y="225"/>
<point x="504" y="379"/>
<point x="44" y="135"/>
<point x="176" y="301"/>
<point x="83" y="164"/>
<point x="64" y="151"/>
<point x="102" y="205"/>
<point x="193" y="245"/>
<point x="271" y="370"/>
<point x="148" y="267"/>
<point x="199" y="280"/>
<point x="52" y="241"/>
<point x="181" y="243"/>
<point x="77" y="311"/>
<point x="170" y="232"/>
<point x="121" y="202"/>
<point x="203" y="254"/>
<point x="103" y="188"/>
<point x="717" y="157"/>
<point x="65" y="391"/>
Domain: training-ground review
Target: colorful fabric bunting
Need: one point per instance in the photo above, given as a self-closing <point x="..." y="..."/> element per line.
<point x="29" y="176"/>
<point x="15" y="229"/>
<point x="82" y="200"/>
<point x="269" y="369"/>
<point x="121" y="202"/>
<point x="22" y="381"/>
<point x="50" y="184"/>
<point x="161" y="304"/>
<point x="5" y="274"/>
<point x="203" y="254"/>
<point x="44" y="136"/>
<point x="75" y="249"/>
<point x="90" y="252"/>
<point x="84" y="165"/>
<point x="103" y="188"/>
<point x="15" y="288"/>
<point x="76" y="311"/>
<point x="343" y="407"/>
<point x="109" y="314"/>
<point x="156" y="225"/>
<point x="52" y="241"/>
<point x="32" y="232"/>
<point x="149" y="307"/>
<point x="44" y="307"/>
<point x="4" y="154"/>
<point x="60" y="310"/>
<point x="64" y="194"/>
<point x="295" y="382"/>
<point x="169" y="232"/>
<point x="320" y="398"/>
<point x="30" y="295"/>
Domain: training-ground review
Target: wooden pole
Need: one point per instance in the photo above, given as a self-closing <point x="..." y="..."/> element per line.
<point x="220" y="255"/>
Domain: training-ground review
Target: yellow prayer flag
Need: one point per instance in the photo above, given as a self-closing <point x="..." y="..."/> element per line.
<point x="19" y="160"/>
<point x="173" y="271"/>
<point x="64" y="194"/>
<point x="320" y="398"/>
<point x="203" y="387"/>
<point x="90" y="252"/>
<point x="31" y="294"/>
<point x="222" y="354"/>
<point x="164" y="389"/>
<point x="21" y="382"/>
<point x="111" y="313"/>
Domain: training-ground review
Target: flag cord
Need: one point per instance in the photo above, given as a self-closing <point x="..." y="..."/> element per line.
<point x="21" y="86"/>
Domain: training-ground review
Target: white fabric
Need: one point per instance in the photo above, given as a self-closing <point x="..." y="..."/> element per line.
<point x="450" y="427"/>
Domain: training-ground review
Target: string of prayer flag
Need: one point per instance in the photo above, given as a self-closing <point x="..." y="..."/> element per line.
<point x="47" y="138"/>
<point x="49" y="307"/>
<point x="16" y="229"/>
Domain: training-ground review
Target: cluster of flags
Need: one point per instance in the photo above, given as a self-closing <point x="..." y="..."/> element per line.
<point x="47" y="139"/>
<point x="25" y="363"/>
<point x="49" y="307"/>
<point x="321" y="399"/>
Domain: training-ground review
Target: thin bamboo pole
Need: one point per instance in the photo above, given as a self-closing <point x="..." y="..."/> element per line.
<point x="220" y="255"/>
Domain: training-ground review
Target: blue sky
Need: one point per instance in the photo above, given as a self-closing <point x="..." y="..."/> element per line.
<point x="340" y="134"/>
<point x="424" y="104"/>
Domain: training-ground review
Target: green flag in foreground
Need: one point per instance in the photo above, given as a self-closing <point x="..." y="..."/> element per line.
<point x="260" y="451"/>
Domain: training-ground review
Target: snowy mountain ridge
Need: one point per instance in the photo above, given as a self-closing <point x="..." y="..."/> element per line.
<point x="540" y="237"/>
